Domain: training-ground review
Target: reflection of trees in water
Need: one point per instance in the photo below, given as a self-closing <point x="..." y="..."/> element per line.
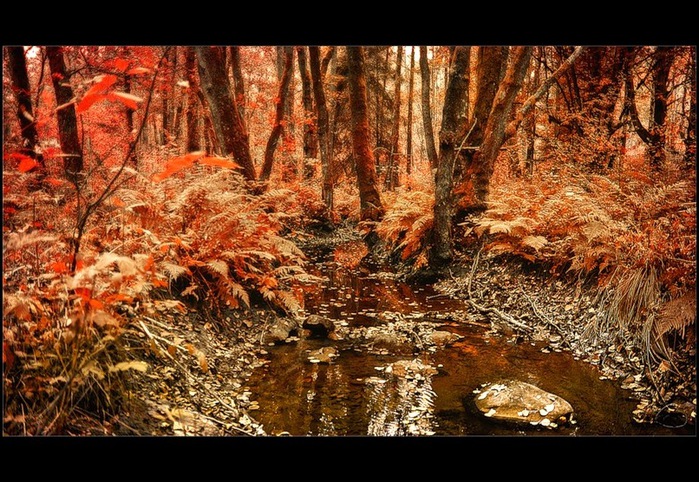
<point x="327" y="410"/>
<point x="400" y="405"/>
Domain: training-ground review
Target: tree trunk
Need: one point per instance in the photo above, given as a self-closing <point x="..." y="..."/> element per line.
<point x="228" y="125"/>
<point x="662" y="62"/>
<point x="371" y="208"/>
<point x="426" y="109"/>
<point x="310" y="140"/>
<point x="409" y="137"/>
<point x="281" y="102"/>
<point x="392" y="173"/>
<point x="25" y="114"/>
<point x="67" y="121"/>
<point x="239" y="85"/>
<point x="452" y="120"/>
<point x="494" y="133"/>
<point x="690" y="139"/>
<point x="323" y="126"/>
<point x="192" y="142"/>
<point x="288" y="124"/>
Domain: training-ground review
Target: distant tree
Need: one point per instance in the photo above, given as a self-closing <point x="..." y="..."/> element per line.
<point x="409" y="135"/>
<point x="654" y="136"/>
<point x="281" y="102"/>
<point x="20" y="85"/>
<point x="193" y="120"/>
<point x="426" y="110"/>
<point x="67" y="120"/>
<point x="392" y="177"/>
<point x="323" y="125"/>
<point x="310" y="140"/>
<point x="371" y="208"/>
<point x="690" y="137"/>
<point x="228" y="124"/>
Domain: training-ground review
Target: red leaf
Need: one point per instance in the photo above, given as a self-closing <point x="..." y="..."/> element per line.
<point x="27" y="164"/>
<point x="59" y="267"/>
<point x="97" y="91"/>
<point x="219" y="162"/>
<point x="87" y="102"/>
<point x="84" y="293"/>
<point x="96" y="304"/>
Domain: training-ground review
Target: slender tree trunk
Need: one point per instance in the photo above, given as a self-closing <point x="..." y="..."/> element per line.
<point x="690" y="139"/>
<point x="228" y="125"/>
<point x="25" y="113"/>
<point x="409" y="137"/>
<point x="310" y="140"/>
<point x="371" y="208"/>
<point x="392" y="173"/>
<point x="279" y="118"/>
<point x="239" y="88"/>
<point x="323" y="126"/>
<point x="426" y="109"/>
<point x="663" y="59"/>
<point x="67" y="121"/>
<point x="441" y="252"/>
<point x="192" y="143"/>
<point x="494" y="134"/>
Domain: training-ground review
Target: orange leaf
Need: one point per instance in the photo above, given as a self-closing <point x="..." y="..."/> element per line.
<point x="138" y="71"/>
<point x="121" y="64"/>
<point x="118" y="202"/>
<point x="129" y="100"/>
<point x="27" y="164"/>
<point x="87" y="102"/>
<point x="96" y="304"/>
<point x="96" y="92"/>
<point x="219" y="162"/>
<point x="176" y="164"/>
<point x="84" y="293"/>
<point x="59" y="267"/>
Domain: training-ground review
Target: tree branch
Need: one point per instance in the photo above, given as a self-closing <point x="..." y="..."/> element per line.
<point x="531" y="101"/>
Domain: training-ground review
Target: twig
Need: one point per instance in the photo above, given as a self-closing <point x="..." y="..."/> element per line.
<point x="540" y="315"/>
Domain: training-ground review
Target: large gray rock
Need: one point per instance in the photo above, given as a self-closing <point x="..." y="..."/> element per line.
<point x="520" y="402"/>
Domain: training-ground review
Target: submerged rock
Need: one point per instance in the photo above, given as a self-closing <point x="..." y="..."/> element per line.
<point x="520" y="402"/>
<point x="323" y="355"/>
<point x="280" y="330"/>
<point x="443" y="338"/>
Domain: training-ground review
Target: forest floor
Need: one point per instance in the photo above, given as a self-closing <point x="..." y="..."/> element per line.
<point x="196" y="384"/>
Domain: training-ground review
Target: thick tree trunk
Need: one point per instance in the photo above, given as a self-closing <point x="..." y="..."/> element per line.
<point x="392" y="177"/>
<point x="192" y="143"/>
<point x="279" y="117"/>
<point x="310" y="140"/>
<point x="494" y="133"/>
<point x="452" y="120"/>
<point x="228" y="125"/>
<point x="323" y="126"/>
<point x="371" y="208"/>
<point x="426" y="109"/>
<point x="288" y="124"/>
<point x="67" y="121"/>
<point x="663" y="60"/>
<point x="25" y="114"/>
<point x="409" y="136"/>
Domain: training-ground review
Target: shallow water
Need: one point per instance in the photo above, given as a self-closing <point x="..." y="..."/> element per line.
<point x="351" y="397"/>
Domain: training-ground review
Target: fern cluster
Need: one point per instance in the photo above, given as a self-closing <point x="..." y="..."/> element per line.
<point x="637" y="237"/>
<point x="406" y="227"/>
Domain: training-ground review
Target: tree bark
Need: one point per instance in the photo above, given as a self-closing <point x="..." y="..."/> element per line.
<point x="192" y="143"/>
<point x="281" y="102"/>
<point x="310" y="140"/>
<point x="323" y="126"/>
<point x="239" y="85"/>
<point x="67" y="120"/>
<point x="392" y="171"/>
<point x="371" y="208"/>
<point x="409" y="136"/>
<point x="426" y="109"/>
<point x="690" y="139"/>
<point x="228" y="125"/>
<point x="494" y="133"/>
<point x="25" y="114"/>
<point x="452" y="120"/>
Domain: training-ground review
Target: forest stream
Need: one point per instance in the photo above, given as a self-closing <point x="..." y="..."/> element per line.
<point x="373" y="386"/>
